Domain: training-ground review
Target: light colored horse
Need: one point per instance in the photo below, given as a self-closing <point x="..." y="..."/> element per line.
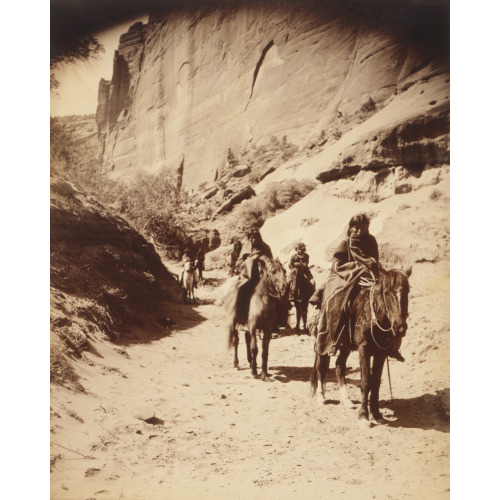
<point x="188" y="283"/>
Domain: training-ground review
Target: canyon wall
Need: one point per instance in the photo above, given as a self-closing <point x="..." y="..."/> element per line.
<point x="193" y="83"/>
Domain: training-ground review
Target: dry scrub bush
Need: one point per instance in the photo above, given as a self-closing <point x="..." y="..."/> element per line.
<point x="276" y="198"/>
<point x="61" y="371"/>
<point x="390" y="259"/>
<point x="435" y="195"/>
<point x="152" y="203"/>
<point x="260" y="158"/>
<point x="368" y="106"/>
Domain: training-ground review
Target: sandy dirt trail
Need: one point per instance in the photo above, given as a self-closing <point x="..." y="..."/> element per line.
<point x="219" y="433"/>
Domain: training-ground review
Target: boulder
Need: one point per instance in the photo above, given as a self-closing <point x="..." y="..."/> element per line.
<point x="210" y="193"/>
<point x="241" y="171"/>
<point x="245" y="194"/>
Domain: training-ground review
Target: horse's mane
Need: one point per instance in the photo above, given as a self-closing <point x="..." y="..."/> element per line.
<point x="268" y="266"/>
<point x="395" y="278"/>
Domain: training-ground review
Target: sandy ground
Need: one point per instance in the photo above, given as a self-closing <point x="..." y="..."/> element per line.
<point x="218" y="433"/>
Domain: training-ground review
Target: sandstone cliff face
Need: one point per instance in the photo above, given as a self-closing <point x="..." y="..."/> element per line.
<point x="198" y="82"/>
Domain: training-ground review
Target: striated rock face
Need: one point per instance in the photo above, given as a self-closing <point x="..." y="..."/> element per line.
<point x="198" y="82"/>
<point x="114" y="96"/>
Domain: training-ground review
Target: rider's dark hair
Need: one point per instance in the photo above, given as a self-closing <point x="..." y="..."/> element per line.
<point x="359" y="219"/>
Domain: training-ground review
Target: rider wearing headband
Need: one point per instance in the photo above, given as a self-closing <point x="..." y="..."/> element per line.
<point x="299" y="260"/>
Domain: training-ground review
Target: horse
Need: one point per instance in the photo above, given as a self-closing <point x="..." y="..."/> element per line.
<point x="188" y="283"/>
<point x="304" y="289"/>
<point x="268" y="306"/>
<point x="199" y="266"/>
<point x="378" y="323"/>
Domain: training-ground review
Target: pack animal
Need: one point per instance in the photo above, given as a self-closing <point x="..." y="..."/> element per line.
<point x="378" y="319"/>
<point x="268" y="306"/>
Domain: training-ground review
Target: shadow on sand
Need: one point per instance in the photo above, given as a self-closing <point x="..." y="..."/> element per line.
<point x="423" y="412"/>
<point x="288" y="374"/>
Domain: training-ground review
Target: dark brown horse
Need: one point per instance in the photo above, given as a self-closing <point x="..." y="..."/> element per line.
<point x="304" y="290"/>
<point x="378" y="323"/>
<point x="268" y="307"/>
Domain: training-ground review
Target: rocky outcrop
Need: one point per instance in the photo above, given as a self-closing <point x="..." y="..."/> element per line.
<point x="202" y="80"/>
<point x="415" y="144"/>
<point x="244" y="194"/>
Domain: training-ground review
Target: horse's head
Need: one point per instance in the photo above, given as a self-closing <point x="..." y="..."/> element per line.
<point x="273" y="271"/>
<point x="394" y="289"/>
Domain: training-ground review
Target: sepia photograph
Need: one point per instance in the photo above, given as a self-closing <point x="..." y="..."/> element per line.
<point x="249" y="249"/>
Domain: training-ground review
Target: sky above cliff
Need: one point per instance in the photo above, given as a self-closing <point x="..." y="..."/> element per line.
<point x="79" y="83"/>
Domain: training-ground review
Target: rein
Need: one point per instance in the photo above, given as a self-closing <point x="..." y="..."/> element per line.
<point x="374" y="320"/>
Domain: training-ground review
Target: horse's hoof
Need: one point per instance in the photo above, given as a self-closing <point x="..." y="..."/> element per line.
<point x="265" y="377"/>
<point x="320" y="400"/>
<point x="347" y="403"/>
<point x="364" y="422"/>
<point x="381" y="421"/>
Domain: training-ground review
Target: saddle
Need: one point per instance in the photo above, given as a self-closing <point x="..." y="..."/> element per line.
<point x="338" y="318"/>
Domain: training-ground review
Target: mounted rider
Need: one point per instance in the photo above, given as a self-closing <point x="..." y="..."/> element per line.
<point x="355" y="262"/>
<point x="200" y="262"/>
<point x="247" y="266"/>
<point x="233" y="258"/>
<point x="186" y="257"/>
<point x="299" y="263"/>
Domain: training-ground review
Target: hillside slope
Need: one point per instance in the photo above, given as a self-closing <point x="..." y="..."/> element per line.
<point x="106" y="281"/>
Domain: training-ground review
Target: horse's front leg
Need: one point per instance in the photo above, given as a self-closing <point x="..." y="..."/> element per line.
<point x="340" y="369"/>
<point x="254" y="350"/>
<point x="319" y="375"/>
<point x="304" y="314"/>
<point x="297" y="316"/>
<point x="364" y="363"/>
<point x="236" y="341"/>
<point x="265" y="355"/>
<point x="249" y="352"/>
<point x="378" y="366"/>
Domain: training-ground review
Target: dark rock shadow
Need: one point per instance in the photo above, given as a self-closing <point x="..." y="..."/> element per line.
<point x="92" y="350"/>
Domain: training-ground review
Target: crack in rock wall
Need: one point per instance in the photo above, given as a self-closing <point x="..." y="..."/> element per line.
<point x="201" y="82"/>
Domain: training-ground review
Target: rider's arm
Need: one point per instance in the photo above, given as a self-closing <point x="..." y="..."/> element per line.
<point x="341" y="265"/>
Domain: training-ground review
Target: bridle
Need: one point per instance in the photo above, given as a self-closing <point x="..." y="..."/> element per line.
<point x="374" y="320"/>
